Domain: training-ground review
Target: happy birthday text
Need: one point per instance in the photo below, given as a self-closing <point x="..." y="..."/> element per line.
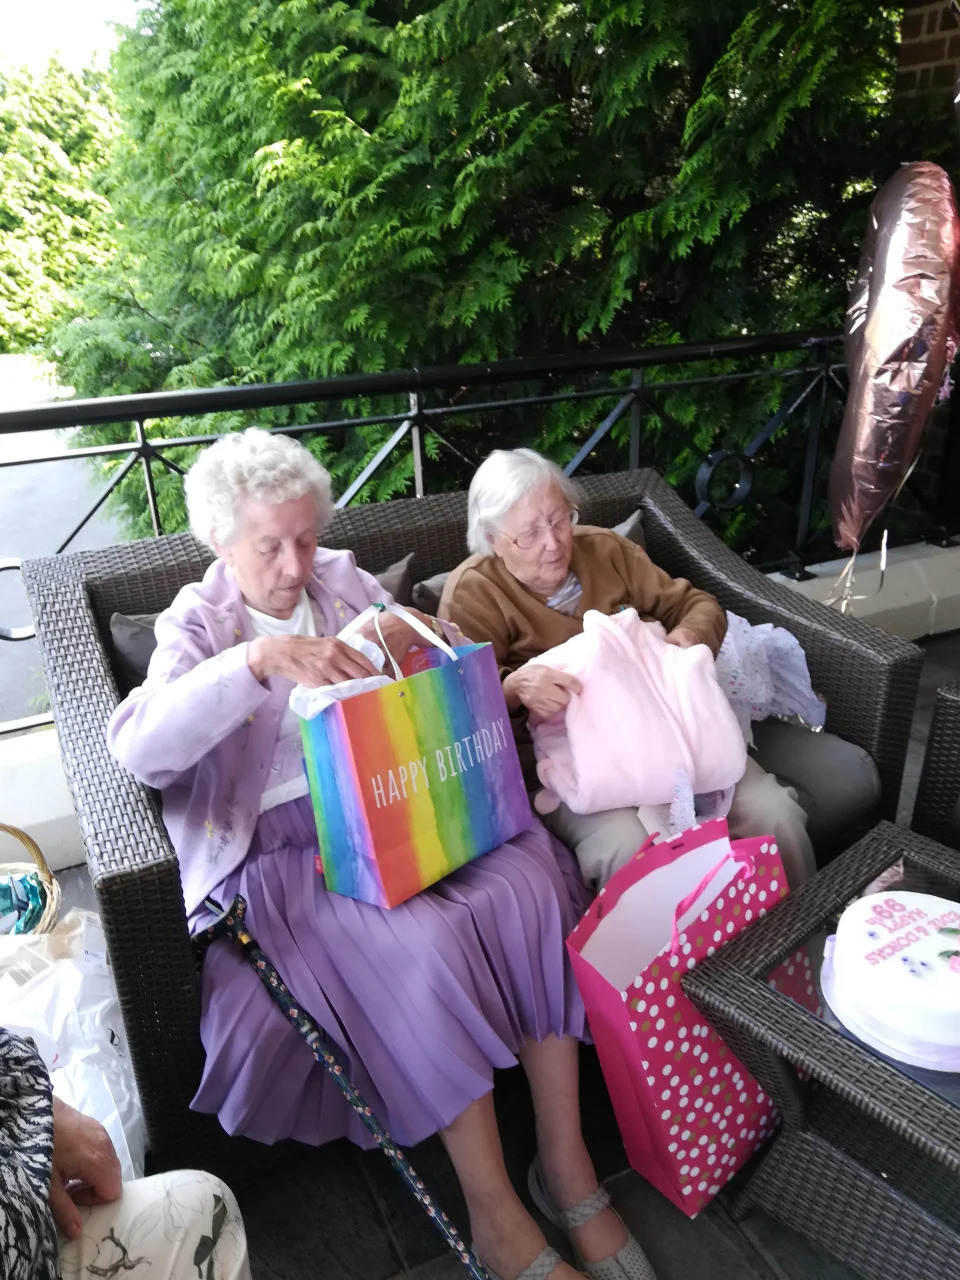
<point x="446" y="762"/>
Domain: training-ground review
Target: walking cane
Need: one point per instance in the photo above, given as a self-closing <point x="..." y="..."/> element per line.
<point x="230" y="924"/>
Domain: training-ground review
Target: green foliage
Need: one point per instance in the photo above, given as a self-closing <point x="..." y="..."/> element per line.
<point x="309" y="188"/>
<point x="55" y="134"/>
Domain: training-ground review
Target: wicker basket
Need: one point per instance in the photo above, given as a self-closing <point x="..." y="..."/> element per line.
<point x="49" y="881"/>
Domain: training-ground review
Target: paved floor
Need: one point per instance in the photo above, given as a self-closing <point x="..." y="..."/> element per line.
<point x="341" y="1214"/>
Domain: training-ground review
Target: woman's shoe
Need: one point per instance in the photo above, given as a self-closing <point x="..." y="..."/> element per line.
<point x="628" y="1263"/>
<point x="541" y="1268"/>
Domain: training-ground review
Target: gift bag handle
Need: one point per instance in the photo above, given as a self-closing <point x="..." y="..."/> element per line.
<point x="744" y="860"/>
<point x="375" y="610"/>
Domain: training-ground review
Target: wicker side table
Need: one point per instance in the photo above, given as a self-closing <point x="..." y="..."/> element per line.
<point x="867" y="1163"/>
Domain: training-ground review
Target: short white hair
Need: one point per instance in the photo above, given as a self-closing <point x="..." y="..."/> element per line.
<point x="257" y="465"/>
<point x="503" y="478"/>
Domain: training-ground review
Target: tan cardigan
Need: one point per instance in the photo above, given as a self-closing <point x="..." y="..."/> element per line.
<point x="489" y="604"/>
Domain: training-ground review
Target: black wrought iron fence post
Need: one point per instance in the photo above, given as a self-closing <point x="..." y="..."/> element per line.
<point x="636" y="419"/>
<point x="145" y="450"/>
<point x="416" y="441"/>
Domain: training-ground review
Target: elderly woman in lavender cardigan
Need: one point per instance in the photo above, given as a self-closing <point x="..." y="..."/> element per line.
<point x="424" y="1000"/>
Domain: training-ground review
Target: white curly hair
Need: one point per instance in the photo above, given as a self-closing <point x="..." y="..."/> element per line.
<point x="254" y="464"/>
<point x="503" y="478"/>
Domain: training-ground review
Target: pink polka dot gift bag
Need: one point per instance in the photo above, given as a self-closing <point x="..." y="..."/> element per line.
<point x="689" y="1112"/>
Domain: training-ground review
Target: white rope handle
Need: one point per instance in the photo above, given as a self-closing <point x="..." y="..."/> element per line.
<point x="375" y="610"/>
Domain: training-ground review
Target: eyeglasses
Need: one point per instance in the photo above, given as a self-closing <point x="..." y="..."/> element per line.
<point x="531" y="538"/>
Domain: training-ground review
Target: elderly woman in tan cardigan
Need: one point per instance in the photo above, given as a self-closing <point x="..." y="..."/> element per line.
<point x="533" y="573"/>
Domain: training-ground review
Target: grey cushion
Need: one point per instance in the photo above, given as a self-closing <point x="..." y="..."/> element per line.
<point x="398" y="580"/>
<point x="632" y="529"/>
<point x="134" y="639"/>
<point x="426" y="594"/>
<point x="836" y="782"/>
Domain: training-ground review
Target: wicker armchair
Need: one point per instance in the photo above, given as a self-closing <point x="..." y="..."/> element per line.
<point x="869" y="679"/>
<point x="936" y="812"/>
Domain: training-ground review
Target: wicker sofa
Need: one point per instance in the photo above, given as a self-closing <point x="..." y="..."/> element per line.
<point x="868" y="678"/>
<point x="936" y="812"/>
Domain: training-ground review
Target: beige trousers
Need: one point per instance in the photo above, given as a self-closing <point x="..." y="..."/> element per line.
<point x="604" y="842"/>
<point x="176" y="1226"/>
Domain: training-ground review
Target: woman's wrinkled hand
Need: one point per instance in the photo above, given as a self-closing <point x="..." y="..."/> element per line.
<point x="542" y="690"/>
<point x="683" y="637"/>
<point x="84" y="1160"/>
<point x="308" y="660"/>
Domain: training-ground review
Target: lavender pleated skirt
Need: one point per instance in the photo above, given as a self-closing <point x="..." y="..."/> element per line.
<point x="424" y="1000"/>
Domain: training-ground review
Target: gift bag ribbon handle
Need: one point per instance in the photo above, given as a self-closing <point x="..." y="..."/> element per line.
<point x="744" y="860"/>
<point x="375" y="610"/>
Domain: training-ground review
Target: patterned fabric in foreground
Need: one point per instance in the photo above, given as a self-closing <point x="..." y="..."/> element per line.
<point x="28" y="1237"/>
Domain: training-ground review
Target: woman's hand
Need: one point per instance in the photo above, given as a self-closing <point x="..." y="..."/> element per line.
<point x="308" y="660"/>
<point x="398" y="637"/>
<point x="683" y="637"/>
<point x="540" y="689"/>
<point x="82" y="1154"/>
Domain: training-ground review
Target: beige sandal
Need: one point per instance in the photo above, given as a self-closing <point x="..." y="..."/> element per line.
<point x="541" y="1268"/>
<point x="628" y="1263"/>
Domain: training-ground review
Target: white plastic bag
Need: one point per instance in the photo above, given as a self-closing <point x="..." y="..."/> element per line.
<point x="69" y="1008"/>
<point x="308" y="702"/>
<point x="763" y="671"/>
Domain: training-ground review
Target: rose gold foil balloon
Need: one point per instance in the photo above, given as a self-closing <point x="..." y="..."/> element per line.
<point x="900" y="316"/>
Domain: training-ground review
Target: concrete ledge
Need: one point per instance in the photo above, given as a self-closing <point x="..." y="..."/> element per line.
<point x="920" y="595"/>
<point x="36" y="799"/>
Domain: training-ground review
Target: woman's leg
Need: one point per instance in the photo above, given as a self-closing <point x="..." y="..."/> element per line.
<point x="762" y="807"/>
<point x="602" y="842"/>
<point x="552" y="1068"/>
<point x="504" y="1234"/>
<point x="836" y="782"/>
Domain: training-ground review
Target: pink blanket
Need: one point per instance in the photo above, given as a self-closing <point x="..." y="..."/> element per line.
<point x="649" y="713"/>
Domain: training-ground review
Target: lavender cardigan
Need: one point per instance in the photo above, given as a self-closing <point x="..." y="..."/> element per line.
<point x="202" y="728"/>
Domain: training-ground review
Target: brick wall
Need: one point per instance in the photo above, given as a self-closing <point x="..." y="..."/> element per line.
<point x="930" y="60"/>
<point x="929" y="46"/>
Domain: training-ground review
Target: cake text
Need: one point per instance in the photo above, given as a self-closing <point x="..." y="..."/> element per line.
<point x="907" y="927"/>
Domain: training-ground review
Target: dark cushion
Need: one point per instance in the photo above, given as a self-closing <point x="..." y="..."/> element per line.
<point x="134" y="641"/>
<point x="426" y="594"/>
<point x="134" y="638"/>
<point x="398" y="579"/>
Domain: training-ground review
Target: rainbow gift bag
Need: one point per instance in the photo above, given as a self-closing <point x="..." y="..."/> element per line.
<point x="689" y="1112"/>
<point x="414" y="779"/>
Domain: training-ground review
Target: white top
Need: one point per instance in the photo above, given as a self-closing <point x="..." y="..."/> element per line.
<point x="286" y="780"/>
<point x="300" y="622"/>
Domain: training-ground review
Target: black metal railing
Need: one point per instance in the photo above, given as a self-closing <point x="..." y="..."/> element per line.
<point x="640" y="399"/>
<point x="720" y="477"/>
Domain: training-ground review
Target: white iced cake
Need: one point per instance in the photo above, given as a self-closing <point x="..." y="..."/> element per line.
<point x="892" y="976"/>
